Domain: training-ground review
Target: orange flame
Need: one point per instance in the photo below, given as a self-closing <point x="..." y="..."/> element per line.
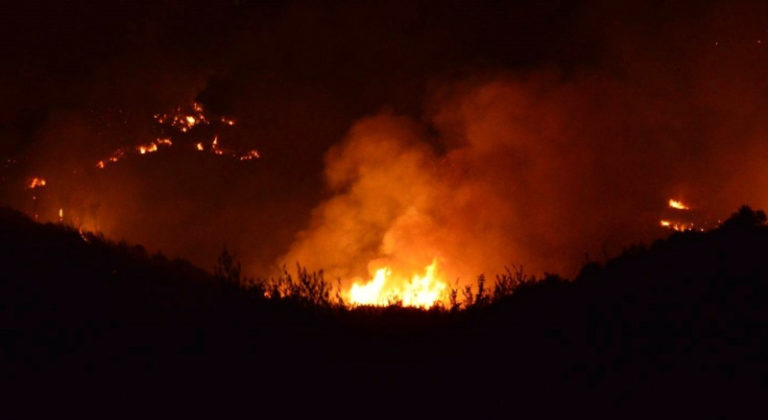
<point x="36" y="183"/>
<point x="215" y="146"/>
<point x="142" y="149"/>
<point x="183" y="121"/>
<point x="677" y="204"/>
<point x="676" y="225"/>
<point x="152" y="147"/>
<point x="384" y="289"/>
<point x="252" y="154"/>
<point x="679" y="227"/>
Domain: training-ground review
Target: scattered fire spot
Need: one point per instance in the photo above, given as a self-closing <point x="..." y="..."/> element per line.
<point x="36" y="183"/>
<point x="253" y="154"/>
<point x="184" y="122"/>
<point x="677" y="204"/>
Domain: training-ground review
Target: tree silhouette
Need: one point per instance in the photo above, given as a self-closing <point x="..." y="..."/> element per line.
<point x="227" y="268"/>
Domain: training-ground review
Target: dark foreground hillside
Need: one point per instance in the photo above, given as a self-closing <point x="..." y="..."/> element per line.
<point x="679" y="328"/>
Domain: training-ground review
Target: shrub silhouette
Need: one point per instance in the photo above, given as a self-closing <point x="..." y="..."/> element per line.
<point x="682" y="322"/>
<point x="306" y="287"/>
<point x="745" y="218"/>
<point x="227" y="269"/>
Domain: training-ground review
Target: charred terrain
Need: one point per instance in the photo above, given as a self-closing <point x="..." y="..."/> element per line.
<point x="681" y="324"/>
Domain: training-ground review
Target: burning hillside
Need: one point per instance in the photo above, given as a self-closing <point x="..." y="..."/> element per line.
<point x="183" y="122"/>
<point x="427" y="198"/>
<point x="181" y="129"/>
<point x="401" y="170"/>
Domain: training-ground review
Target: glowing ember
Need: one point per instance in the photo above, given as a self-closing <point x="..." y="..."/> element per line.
<point x="116" y="156"/>
<point x="147" y="149"/>
<point x="679" y="226"/>
<point x="142" y="149"/>
<point x="153" y="146"/>
<point x="253" y="154"/>
<point x="215" y="146"/>
<point x="421" y="291"/>
<point x="183" y="120"/>
<point x="36" y="183"/>
<point x="186" y="119"/>
<point x="684" y="219"/>
<point x="677" y="204"/>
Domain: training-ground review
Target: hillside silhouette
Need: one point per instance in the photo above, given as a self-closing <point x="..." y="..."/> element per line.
<point x="676" y="327"/>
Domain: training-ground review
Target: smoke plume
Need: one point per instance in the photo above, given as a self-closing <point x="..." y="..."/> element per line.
<point x="540" y="134"/>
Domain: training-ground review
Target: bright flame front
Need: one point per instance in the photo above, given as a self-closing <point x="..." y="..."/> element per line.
<point x="677" y="204"/>
<point x="422" y="291"/>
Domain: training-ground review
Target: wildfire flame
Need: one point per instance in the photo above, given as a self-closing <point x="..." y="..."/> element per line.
<point x="252" y="154"/>
<point x="36" y="183"/>
<point x="167" y="129"/>
<point x="385" y="288"/>
<point x="141" y="149"/>
<point x="681" y="225"/>
<point x="677" y="204"/>
<point x="183" y="122"/>
<point x="215" y="146"/>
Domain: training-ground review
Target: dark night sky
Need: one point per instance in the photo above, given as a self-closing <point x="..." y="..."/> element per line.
<point x="656" y="81"/>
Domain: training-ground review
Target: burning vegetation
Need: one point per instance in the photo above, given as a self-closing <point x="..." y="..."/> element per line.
<point x="677" y="204"/>
<point x="683" y="218"/>
<point x="423" y="291"/>
<point x="62" y="195"/>
<point x="389" y="224"/>
<point x="398" y="154"/>
<point x="182" y="122"/>
<point x="400" y="188"/>
<point x="36" y="183"/>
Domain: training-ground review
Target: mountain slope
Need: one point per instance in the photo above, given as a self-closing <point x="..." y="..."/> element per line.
<point x="682" y="323"/>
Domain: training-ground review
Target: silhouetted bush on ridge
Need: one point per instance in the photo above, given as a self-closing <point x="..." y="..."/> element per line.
<point x="681" y="321"/>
